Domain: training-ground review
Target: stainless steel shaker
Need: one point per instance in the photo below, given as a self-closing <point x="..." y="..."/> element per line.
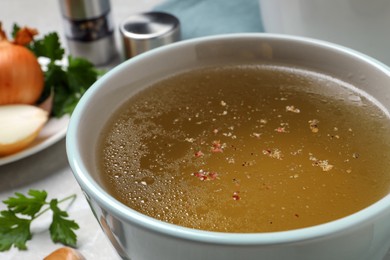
<point x="89" y="29"/>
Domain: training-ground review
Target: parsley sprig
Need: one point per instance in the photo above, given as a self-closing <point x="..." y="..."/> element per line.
<point x="21" y="210"/>
<point x="66" y="83"/>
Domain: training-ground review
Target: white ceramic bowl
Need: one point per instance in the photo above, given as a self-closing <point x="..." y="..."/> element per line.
<point x="363" y="235"/>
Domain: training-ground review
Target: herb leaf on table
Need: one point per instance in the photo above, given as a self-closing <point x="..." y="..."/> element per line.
<point x="27" y="205"/>
<point x="15" y="222"/>
<point x="14" y="231"/>
<point x="61" y="229"/>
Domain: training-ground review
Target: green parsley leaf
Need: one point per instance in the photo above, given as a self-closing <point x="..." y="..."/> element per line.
<point x="55" y="82"/>
<point x="14" y="231"/>
<point x="81" y="74"/>
<point x="49" y="47"/>
<point x="69" y="83"/>
<point x="61" y="229"/>
<point x="27" y="205"/>
<point x="15" y="29"/>
<point x="65" y="102"/>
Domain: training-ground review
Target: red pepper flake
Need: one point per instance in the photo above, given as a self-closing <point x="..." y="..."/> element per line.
<point x="206" y="176"/>
<point x="199" y="154"/>
<point x="212" y="176"/>
<point x="217" y="147"/>
<point x="236" y="195"/>
<point x="281" y="130"/>
<point x="200" y="175"/>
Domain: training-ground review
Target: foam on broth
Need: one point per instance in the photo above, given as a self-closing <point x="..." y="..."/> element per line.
<point x="247" y="149"/>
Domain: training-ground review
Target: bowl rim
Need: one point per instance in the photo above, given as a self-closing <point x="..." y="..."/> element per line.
<point x="93" y="190"/>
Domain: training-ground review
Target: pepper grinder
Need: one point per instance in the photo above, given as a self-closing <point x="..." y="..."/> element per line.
<point x="89" y="29"/>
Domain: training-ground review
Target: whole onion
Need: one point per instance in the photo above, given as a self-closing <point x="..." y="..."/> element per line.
<point x="21" y="76"/>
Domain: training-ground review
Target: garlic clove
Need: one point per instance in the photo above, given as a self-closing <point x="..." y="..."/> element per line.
<point x="65" y="253"/>
<point x="19" y="126"/>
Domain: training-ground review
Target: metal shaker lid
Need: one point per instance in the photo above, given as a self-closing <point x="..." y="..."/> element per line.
<point x="84" y="9"/>
<point x="145" y="31"/>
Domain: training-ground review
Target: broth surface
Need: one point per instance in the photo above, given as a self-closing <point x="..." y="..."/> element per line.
<point x="247" y="149"/>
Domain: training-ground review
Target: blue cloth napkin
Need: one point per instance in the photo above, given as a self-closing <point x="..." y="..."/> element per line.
<point x="210" y="17"/>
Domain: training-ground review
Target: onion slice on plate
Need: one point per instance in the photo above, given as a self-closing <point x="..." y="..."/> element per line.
<point x="19" y="126"/>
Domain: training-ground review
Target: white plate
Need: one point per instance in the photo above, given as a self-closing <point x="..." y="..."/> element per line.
<point x="53" y="131"/>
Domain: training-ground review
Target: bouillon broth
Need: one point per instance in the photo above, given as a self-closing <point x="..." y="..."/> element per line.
<point x="255" y="148"/>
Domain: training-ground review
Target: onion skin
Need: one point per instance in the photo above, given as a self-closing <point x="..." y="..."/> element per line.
<point x="21" y="76"/>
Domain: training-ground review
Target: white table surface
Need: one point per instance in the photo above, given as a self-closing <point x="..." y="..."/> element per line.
<point x="49" y="169"/>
